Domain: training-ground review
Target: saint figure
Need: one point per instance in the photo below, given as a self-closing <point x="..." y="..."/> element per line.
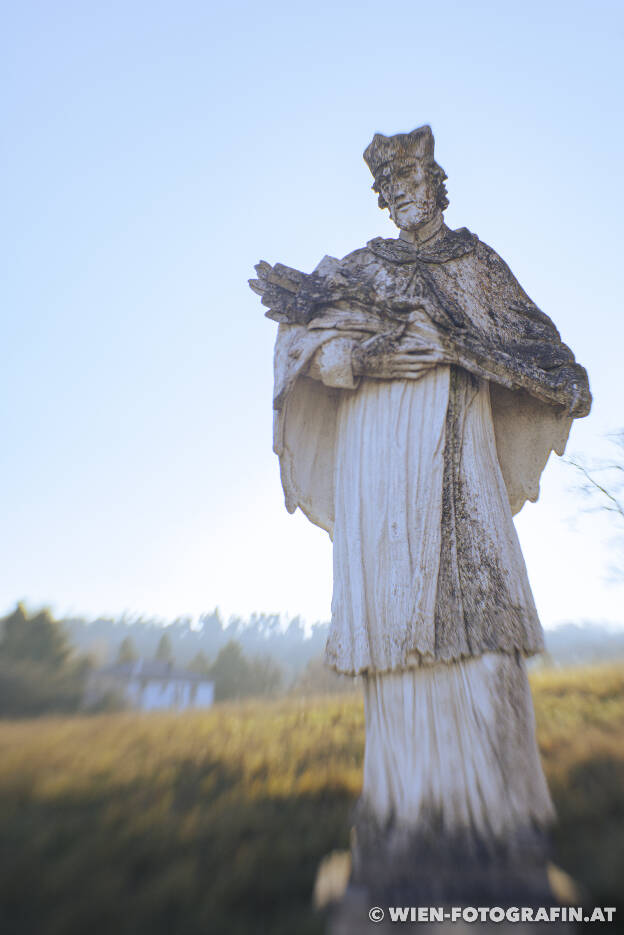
<point x="418" y="394"/>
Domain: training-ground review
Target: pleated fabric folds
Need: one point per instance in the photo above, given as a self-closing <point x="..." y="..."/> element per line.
<point x="427" y="563"/>
<point x="453" y="746"/>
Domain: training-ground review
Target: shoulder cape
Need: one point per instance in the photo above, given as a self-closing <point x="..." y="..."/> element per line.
<point x="485" y="320"/>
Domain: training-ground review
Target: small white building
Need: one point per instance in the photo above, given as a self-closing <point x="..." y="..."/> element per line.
<point x="151" y="686"/>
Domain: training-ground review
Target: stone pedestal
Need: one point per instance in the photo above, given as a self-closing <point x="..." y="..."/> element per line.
<point x="390" y="868"/>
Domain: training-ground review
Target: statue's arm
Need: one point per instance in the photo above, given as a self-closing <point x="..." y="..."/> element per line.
<point x="333" y="364"/>
<point x="342" y="361"/>
<point x="401" y="351"/>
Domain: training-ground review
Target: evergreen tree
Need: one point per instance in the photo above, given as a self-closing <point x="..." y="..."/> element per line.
<point x="127" y="651"/>
<point x="37" y="673"/>
<point x="230" y="672"/>
<point x="38" y="639"/>
<point x="164" y="650"/>
<point x="200" y="664"/>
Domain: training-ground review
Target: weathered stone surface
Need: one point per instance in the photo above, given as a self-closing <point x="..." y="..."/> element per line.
<point x="418" y="394"/>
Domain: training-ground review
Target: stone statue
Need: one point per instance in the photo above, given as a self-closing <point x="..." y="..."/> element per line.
<point x="418" y="394"/>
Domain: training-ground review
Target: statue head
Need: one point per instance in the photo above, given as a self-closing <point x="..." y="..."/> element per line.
<point x="408" y="180"/>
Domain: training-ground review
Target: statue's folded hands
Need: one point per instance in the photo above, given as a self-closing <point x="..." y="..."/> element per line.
<point x="342" y="361"/>
<point x="370" y="359"/>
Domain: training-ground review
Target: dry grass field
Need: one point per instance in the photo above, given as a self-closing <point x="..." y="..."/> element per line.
<point x="214" y="823"/>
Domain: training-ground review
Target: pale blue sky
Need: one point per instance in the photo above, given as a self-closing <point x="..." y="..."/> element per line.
<point x="153" y="152"/>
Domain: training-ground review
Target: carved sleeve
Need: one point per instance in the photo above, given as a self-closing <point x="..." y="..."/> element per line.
<point x="332" y="364"/>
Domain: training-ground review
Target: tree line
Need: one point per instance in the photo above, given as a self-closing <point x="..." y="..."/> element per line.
<point x="45" y="663"/>
<point x="288" y="642"/>
<point x="39" y="670"/>
<point x="233" y="673"/>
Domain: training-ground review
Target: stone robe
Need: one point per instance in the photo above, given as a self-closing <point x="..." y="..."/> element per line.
<point x="427" y="564"/>
<point x="416" y="481"/>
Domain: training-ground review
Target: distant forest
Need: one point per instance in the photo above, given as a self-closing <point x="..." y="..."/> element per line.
<point x="45" y="663"/>
<point x="289" y="643"/>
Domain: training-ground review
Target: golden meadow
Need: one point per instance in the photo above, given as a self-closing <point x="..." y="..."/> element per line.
<point x="214" y="822"/>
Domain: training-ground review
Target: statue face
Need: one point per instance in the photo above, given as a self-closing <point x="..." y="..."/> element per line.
<point x="410" y="194"/>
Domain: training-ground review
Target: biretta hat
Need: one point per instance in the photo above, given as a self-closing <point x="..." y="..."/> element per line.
<point x="400" y="149"/>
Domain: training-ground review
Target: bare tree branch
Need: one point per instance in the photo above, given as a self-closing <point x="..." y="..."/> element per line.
<point x="614" y="505"/>
<point x="606" y="491"/>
